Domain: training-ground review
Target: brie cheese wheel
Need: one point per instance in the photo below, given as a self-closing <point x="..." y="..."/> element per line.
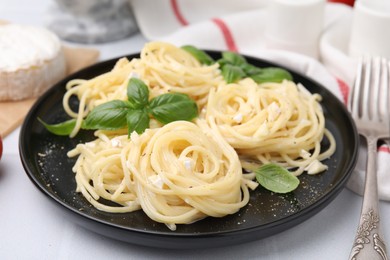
<point x="31" y="61"/>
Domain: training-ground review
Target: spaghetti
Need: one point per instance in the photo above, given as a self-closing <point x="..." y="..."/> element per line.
<point x="162" y="66"/>
<point x="184" y="171"/>
<point x="271" y="122"/>
<point x="177" y="173"/>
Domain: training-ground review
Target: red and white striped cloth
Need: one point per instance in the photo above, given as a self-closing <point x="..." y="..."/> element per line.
<point x="239" y="26"/>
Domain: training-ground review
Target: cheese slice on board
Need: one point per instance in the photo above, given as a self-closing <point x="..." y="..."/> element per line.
<point x="12" y="112"/>
<point x="31" y="60"/>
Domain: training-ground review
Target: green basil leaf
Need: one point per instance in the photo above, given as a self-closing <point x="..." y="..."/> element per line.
<point x="200" y="55"/>
<point x="64" y="128"/>
<point x="232" y="73"/>
<point x="171" y="107"/>
<point x="250" y="69"/>
<point x="276" y="178"/>
<point x="271" y="74"/>
<point x="222" y="63"/>
<point x="137" y="93"/>
<point x="108" y="116"/>
<point x="137" y="120"/>
<point x="233" y="58"/>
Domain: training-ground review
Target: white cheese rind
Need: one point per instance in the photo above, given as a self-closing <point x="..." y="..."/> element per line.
<point x="31" y="61"/>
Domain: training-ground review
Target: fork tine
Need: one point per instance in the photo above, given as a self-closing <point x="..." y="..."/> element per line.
<point x="354" y="96"/>
<point x="385" y="81"/>
<point x="365" y="110"/>
<point x="377" y="89"/>
<point x="381" y="87"/>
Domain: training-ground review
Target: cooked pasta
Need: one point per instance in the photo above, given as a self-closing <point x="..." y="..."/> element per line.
<point x="182" y="171"/>
<point x="177" y="173"/>
<point x="271" y="122"/>
<point x="162" y="66"/>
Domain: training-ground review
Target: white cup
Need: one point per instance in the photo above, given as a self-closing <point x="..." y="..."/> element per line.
<point x="295" y="25"/>
<point x="370" y="32"/>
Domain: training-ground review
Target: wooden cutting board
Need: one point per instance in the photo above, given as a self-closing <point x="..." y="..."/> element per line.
<point x="12" y="113"/>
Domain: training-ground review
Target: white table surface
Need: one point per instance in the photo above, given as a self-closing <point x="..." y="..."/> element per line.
<point x="32" y="227"/>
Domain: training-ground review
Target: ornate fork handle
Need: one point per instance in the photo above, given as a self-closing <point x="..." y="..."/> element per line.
<point x="368" y="242"/>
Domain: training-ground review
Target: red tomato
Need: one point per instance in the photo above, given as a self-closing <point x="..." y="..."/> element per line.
<point x="1" y="147"/>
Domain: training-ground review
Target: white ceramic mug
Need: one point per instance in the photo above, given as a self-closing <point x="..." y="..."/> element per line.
<point x="370" y="32"/>
<point x="295" y="25"/>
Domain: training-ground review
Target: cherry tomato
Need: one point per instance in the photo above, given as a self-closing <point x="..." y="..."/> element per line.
<point x="1" y="147"/>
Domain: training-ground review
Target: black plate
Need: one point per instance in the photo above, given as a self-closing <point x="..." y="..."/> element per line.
<point x="44" y="158"/>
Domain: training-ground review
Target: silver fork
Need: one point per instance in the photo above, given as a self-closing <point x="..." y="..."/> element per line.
<point x="369" y="106"/>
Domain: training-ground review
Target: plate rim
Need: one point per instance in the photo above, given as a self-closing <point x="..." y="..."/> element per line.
<point x="316" y="206"/>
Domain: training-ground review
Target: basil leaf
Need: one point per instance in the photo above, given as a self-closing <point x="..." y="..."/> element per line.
<point x="171" y="107"/>
<point x="276" y="178"/>
<point x="137" y="120"/>
<point x="250" y="69"/>
<point x="108" y="116"/>
<point x="222" y="63"/>
<point x="137" y="93"/>
<point x="233" y="58"/>
<point x="64" y="128"/>
<point x="200" y="55"/>
<point x="271" y="74"/>
<point x="232" y="73"/>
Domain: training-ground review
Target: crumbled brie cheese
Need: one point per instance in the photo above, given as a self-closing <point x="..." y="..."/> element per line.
<point x="128" y="164"/>
<point x="115" y="142"/>
<point x="124" y="91"/>
<point x="304" y="154"/>
<point x="273" y="111"/>
<point x="315" y="167"/>
<point x="156" y="181"/>
<point x="246" y="108"/>
<point x="238" y="118"/>
<point x="305" y="122"/>
<point x="176" y="66"/>
<point x="187" y="164"/>
<point x="134" y="137"/>
<point x="134" y="74"/>
<point x="263" y="130"/>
